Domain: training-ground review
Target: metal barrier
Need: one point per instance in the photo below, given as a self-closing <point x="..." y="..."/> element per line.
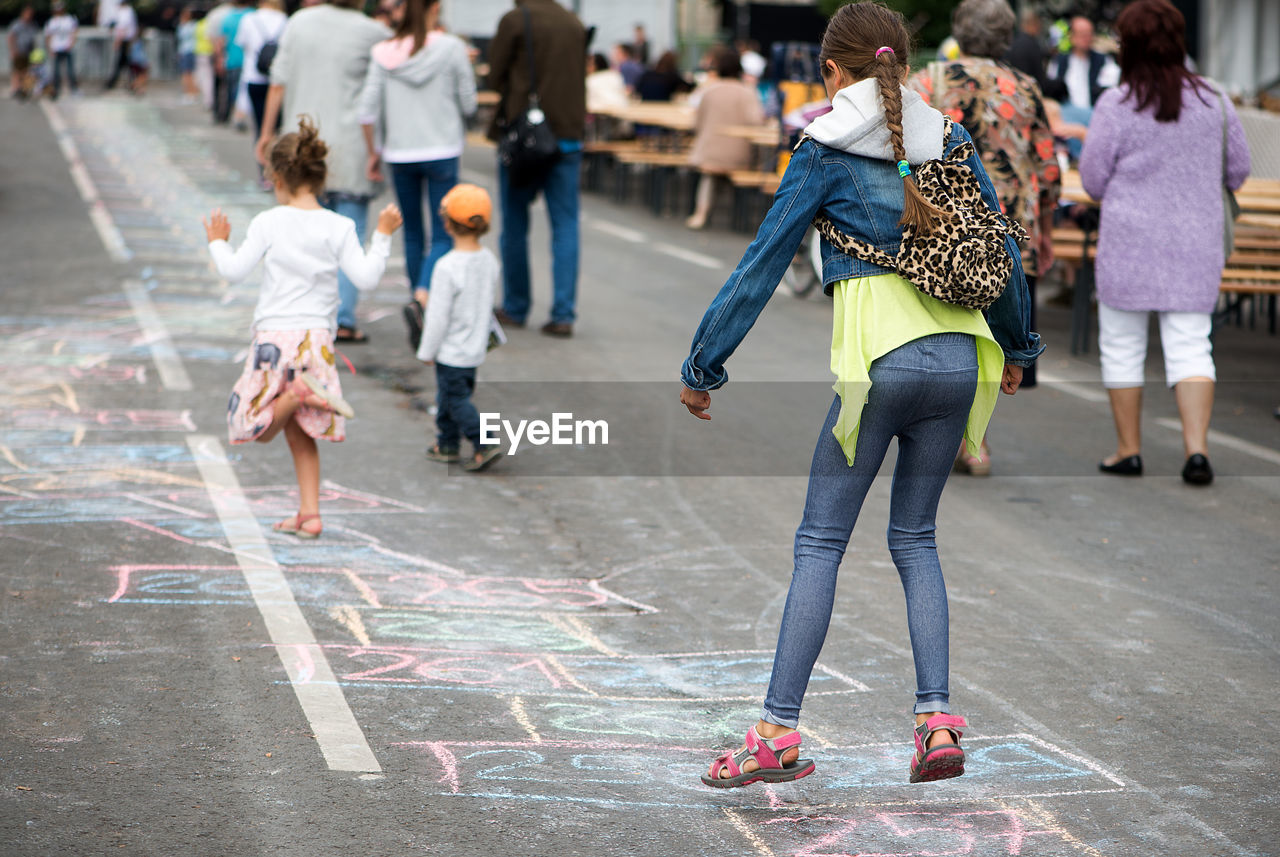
<point x="95" y="55"/>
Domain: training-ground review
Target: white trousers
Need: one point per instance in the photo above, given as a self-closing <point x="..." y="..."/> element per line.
<point x="1122" y="344"/>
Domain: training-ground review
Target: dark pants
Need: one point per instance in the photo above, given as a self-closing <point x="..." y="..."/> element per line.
<point x="122" y="63"/>
<point x="59" y="59"/>
<point x="222" y="99"/>
<point x="456" y="416"/>
<point x="224" y="108"/>
<point x="258" y="98"/>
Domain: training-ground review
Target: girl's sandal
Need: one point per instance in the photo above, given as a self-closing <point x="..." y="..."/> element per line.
<point x="941" y="761"/>
<point x="295" y="526"/>
<point x="767" y="753"/>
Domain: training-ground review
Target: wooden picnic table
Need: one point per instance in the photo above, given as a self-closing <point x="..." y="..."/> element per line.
<point x="662" y="114"/>
<point x="766" y="135"/>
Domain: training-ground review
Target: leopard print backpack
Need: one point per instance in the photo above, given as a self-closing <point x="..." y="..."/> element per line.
<point x="964" y="259"/>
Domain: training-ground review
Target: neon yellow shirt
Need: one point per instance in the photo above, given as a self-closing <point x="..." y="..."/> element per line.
<point x="204" y="45"/>
<point x="875" y="315"/>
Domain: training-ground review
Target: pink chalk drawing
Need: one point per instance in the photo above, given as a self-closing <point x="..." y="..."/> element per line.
<point x="125" y="574"/>
<point x="914" y="833"/>
<point x="494" y="670"/>
<point x="463" y="763"/>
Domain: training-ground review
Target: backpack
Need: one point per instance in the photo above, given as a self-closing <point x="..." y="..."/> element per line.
<point x="267" y="53"/>
<point x="964" y="259"/>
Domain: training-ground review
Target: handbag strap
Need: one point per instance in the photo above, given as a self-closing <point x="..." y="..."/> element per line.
<point x="528" y="47"/>
<point x="1222" y="103"/>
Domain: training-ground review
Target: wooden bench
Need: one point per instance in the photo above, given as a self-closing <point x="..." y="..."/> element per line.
<point x="752" y="191"/>
<point x="658" y="169"/>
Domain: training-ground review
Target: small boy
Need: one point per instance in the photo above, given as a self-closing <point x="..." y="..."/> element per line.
<point x="455" y="334"/>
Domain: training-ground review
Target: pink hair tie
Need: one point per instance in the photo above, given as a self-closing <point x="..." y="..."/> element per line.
<point x="883" y="50"/>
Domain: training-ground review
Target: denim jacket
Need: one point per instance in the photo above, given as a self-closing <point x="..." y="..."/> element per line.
<point x="864" y="197"/>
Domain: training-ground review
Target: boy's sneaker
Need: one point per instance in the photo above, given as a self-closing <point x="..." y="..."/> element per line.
<point x="335" y="402"/>
<point x="414" y="318"/>
<point x="445" y="455"/>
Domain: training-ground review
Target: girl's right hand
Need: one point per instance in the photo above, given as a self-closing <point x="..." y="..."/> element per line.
<point x="389" y="219"/>
<point x="217" y="227"/>
<point x="697" y="402"/>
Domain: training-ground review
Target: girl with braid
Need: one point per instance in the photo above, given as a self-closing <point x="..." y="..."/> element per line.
<point x="907" y="366"/>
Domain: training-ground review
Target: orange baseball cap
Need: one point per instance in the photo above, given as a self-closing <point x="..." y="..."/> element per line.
<point x="466" y="201"/>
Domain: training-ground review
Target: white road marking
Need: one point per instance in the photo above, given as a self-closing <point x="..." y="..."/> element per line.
<point x="339" y="736"/>
<point x="1216" y="438"/>
<point x="635" y="236"/>
<point x="172" y="373"/>
<point x="1071" y="388"/>
<point x="102" y="222"/>
<point x="690" y="256"/>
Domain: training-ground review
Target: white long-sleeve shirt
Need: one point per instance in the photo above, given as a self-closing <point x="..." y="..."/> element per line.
<point x="456" y="330"/>
<point x="303" y="251"/>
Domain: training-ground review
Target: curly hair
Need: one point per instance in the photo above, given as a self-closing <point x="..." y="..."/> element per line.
<point x="983" y="28"/>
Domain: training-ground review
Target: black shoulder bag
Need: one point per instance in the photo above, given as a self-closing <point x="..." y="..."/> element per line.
<point x="527" y="146"/>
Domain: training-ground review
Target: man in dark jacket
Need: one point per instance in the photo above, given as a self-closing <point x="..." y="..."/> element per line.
<point x="1082" y="72"/>
<point x="559" y="60"/>
<point x="1026" y="53"/>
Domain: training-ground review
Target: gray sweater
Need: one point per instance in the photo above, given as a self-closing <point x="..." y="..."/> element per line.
<point x="421" y="98"/>
<point x="321" y="62"/>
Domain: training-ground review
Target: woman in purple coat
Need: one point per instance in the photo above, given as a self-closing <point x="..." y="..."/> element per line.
<point x="1154" y="157"/>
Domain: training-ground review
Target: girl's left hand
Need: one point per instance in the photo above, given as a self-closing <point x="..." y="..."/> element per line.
<point x="217" y="227"/>
<point x="1012" y="379"/>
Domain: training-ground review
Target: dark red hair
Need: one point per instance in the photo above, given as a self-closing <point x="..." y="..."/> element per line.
<point x="1153" y="56"/>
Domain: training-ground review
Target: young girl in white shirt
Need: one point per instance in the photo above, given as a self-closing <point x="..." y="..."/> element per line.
<point x="290" y="382"/>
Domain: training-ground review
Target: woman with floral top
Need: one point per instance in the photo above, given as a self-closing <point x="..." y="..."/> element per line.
<point x="1002" y="110"/>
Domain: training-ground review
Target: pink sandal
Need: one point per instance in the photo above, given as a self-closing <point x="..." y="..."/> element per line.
<point x="767" y="754"/>
<point x="293" y="526"/>
<point x="974" y="465"/>
<point x="942" y="761"/>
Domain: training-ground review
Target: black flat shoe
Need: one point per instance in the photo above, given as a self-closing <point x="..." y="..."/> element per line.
<point x="1197" y="470"/>
<point x="1131" y="466"/>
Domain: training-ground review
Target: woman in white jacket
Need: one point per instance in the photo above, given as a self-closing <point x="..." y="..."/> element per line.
<point x="421" y="86"/>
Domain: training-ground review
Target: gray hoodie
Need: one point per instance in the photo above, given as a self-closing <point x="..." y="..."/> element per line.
<point x="420" y="98"/>
<point x="856" y="125"/>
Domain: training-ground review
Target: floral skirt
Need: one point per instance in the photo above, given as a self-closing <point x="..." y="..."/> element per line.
<point x="274" y="358"/>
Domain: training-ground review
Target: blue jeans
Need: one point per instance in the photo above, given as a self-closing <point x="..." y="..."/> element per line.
<point x="440" y="177"/>
<point x="560" y="189"/>
<point x="456" y="416"/>
<point x="355" y="208"/>
<point x="921" y="394"/>
<point x="60" y="59"/>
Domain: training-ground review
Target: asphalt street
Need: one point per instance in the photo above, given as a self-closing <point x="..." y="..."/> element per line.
<point x="541" y="659"/>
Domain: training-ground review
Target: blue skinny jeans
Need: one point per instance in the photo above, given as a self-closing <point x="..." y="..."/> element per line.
<point x="921" y="394"/>
<point x="439" y="177"/>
